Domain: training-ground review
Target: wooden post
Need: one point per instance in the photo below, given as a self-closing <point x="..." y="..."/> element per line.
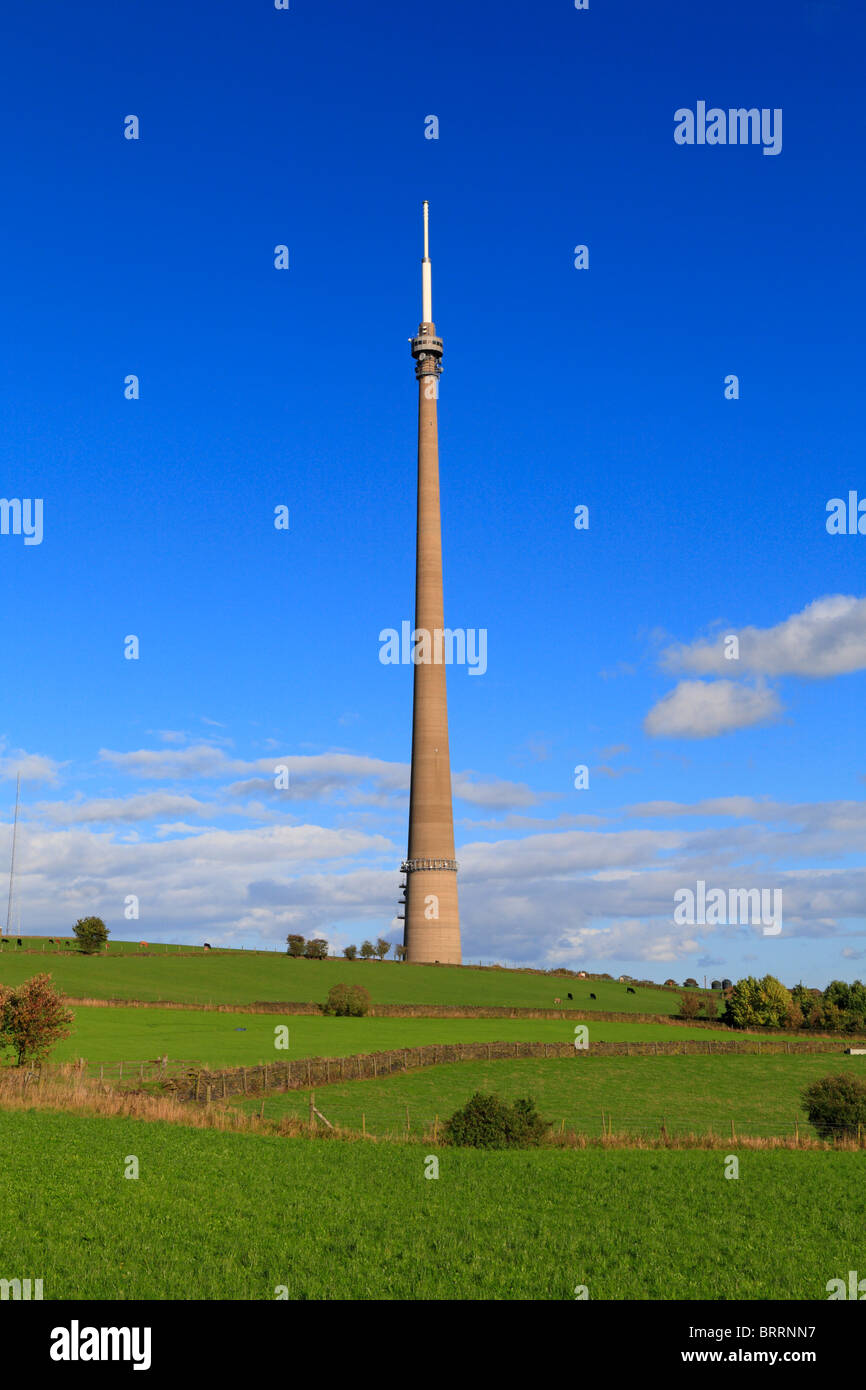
<point x="436" y="1130"/>
<point x="101" y="1072"/>
<point x="312" y="1111"/>
<point x="797" y="1131"/>
<point x="208" y="1095"/>
<point x="120" y="1072"/>
<point x="245" y="1080"/>
<point x="363" y="1124"/>
<point x="407" y="1119"/>
<point x="262" y="1109"/>
<point x="733" y="1134"/>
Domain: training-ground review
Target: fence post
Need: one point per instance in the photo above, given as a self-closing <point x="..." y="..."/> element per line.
<point x="312" y="1111"/>
<point x="120" y="1072"/>
<point x="363" y="1124"/>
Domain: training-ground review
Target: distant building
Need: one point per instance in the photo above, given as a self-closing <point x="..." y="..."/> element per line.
<point x="670" y="984"/>
<point x="715" y="984"/>
<point x="726" y="984"/>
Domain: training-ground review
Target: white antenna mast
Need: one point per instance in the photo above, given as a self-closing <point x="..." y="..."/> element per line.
<point x="426" y="269"/>
<point x="12" y="864"/>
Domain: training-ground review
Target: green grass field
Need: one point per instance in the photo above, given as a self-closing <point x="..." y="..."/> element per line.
<point x="118" y="1034"/>
<point x="694" y="1094"/>
<point x="246" y="977"/>
<point x="216" y="1215"/>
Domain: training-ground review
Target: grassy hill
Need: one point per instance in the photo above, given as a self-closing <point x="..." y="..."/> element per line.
<point x="246" y="977"/>
<point x="115" y="1034"/>
<point x="234" y="1216"/>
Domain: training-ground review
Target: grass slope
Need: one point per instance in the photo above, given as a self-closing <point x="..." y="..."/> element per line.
<point x="119" y="1034"/>
<point x="245" y="977"/>
<point x="235" y="1216"/>
<point x="694" y="1094"/>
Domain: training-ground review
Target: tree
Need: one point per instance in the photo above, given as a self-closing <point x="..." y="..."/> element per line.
<point x="350" y="952"/>
<point x="711" y="1006"/>
<point x="836" y="1106"/>
<point x="758" y="1003"/>
<point x="400" y="952"/>
<point x="296" y="944"/>
<point x="775" y="1003"/>
<point x="32" y="1018"/>
<point x="382" y="947"/>
<point x="368" y="950"/>
<point x="691" y="983"/>
<point x="92" y="934"/>
<point x="347" y="1001"/>
<point x="316" y="948"/>
<point x="690" y="1004"/>
<point x="803" y="999"/>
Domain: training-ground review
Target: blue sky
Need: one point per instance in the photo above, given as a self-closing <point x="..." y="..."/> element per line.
<point x="606" y="387"/>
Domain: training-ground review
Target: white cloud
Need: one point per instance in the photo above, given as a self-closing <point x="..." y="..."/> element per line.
<point x="704" y="709"/>
<point x="828" y="638"/>
<point x="33" y="767"/>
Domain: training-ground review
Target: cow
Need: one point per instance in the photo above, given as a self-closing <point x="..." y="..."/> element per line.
<point x="557" y="1001"/>
<point x="629" y="990"/>
<point x="592" y="996"/>
<point x="571" y="996"/>
<point x="207" y="945"/>
<point x="19" y="941"/>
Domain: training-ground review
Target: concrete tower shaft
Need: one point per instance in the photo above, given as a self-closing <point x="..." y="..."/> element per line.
<point x="432" y="914"/>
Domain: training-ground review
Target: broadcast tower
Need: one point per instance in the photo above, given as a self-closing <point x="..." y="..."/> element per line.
<point x="432" y="930"/>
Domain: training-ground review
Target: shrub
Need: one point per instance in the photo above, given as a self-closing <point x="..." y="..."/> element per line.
<point x="296" y="944"/>
<point x="32" y="1018"/>
<point x="92" y="934"/>
<point x="711" y="1006"/>
<point x="486" y="1122"/>
<point x="350" y="952"/>
<point x="690" y="1004"/>
<point x="836" y="1105"/>
<point x="347" y="1001"/>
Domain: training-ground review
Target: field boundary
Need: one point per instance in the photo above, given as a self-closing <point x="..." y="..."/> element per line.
<point x="203" y="1085"/>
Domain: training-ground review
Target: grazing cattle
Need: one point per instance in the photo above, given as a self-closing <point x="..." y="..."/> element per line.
<point x="19" y="941"/>
<point x="51" y="941"/>
<point x="557" y="1001"/>
<point x="571" y="996"/>
<point x="629" y="989"/>
<point x="592" y="996"/>
<point x="207" y="945"/>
